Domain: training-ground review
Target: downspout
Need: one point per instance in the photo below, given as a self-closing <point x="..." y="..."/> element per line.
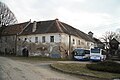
<point x="70" y="55"/>
<point x="16" y="44"/>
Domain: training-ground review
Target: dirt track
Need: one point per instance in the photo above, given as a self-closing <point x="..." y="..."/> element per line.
<point x="16" y="70"/>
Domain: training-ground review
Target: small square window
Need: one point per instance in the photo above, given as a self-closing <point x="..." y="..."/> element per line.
<point x="73" y="41"/>
<point x="51" y="38"/>
<point x="25" y="39"/>
<point x="36" y="39"/>
<point x="18" y="39"/>
<point x="79" y="42"/>
<point x="43" y="39"/>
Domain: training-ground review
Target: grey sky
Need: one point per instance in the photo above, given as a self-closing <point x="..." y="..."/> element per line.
<point x="97" y="16"/>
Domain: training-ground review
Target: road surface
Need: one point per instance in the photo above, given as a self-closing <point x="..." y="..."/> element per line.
<point x="16" y="70"/>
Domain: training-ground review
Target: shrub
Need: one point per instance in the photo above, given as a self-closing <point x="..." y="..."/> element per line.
<point x="107" y="66"/>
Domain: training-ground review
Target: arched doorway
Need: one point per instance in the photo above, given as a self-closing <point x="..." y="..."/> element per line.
<point x="25" y="52"/>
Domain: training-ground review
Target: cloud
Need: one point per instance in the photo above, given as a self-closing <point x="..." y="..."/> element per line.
<point x="83" y="18"/>
<point x="87" y="15"/>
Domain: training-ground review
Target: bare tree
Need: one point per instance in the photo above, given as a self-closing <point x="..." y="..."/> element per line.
<point x="118" y="34"/>
<point x="107" y="37"/>
<point x="118" y="30"/>
<point x="6" y="15"/>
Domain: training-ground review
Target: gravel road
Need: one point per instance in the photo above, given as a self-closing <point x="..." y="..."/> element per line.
<point x="17" y="70"/>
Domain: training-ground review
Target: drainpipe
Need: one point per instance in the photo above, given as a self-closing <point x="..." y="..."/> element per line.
<point x="69" y="46"/>
<point x="16" y="44"/>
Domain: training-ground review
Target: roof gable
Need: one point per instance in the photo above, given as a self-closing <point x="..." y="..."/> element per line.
<point x="14" y="29"/>
<point x="114" y="41"/>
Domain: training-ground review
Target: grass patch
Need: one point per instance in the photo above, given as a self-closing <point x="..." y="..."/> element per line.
<point x="106" y="66"/>
<point x="81" y="69"/>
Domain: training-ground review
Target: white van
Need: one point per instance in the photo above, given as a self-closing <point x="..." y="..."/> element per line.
<point x="97" y="54"/>
<point x="81" y="54"/>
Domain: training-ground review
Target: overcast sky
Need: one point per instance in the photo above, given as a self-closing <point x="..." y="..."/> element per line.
<point x="97" y="16"/>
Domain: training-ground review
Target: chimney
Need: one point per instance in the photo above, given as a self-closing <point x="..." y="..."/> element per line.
<point x="90" y="34"/>
<point x="57" y="19"/>
<point x="34" y="26"/>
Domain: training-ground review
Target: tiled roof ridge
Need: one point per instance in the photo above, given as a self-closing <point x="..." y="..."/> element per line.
<point x="24" y="27"/>
<point x="49" y="26"/>
<point x="58" y="26"/>
<point x="64" y="27"/>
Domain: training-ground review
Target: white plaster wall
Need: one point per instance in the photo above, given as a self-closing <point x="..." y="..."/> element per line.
<point x="83" y="43"/>
<point x="57" y="37"/>
<point x="57" y="40"/>
<point x="65" y="38"/>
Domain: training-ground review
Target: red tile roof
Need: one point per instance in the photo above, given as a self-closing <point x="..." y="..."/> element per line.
<point x="55" y="26"/>
<point x="43" y="27"/>
<point x="14" y="29"/>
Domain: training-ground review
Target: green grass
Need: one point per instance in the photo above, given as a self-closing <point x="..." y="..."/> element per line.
<point x="105" y="66"/>
<point x="81" y="69"/>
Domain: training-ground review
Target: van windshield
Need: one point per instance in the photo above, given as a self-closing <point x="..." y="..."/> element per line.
<point x="87" y="51"/>
<point x="95" y="50"/>
<point x="79" y="52"/>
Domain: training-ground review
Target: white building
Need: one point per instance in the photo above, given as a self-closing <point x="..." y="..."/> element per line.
<point x="52" y="38"/>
